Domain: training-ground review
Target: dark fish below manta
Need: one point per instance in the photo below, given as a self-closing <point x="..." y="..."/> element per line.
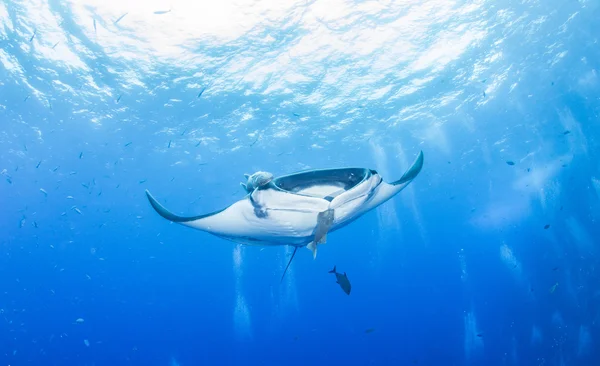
<point x="298" y="209"/>
<point x="342" y="280"/>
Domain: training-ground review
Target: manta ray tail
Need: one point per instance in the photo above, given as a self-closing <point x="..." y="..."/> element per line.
<point x="288" y="265"/>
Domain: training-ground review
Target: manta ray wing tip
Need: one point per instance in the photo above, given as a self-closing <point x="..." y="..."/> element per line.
<point x="413" y="171"/>
<point x="162" y="211"/>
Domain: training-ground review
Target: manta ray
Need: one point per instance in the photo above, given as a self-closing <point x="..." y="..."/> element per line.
<point x="297" y="209"/>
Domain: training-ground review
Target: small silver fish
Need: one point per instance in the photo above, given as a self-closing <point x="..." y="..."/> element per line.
<point x="119" y="18"/>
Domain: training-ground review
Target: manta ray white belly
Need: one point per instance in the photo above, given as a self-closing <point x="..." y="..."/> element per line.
<point x="289" y="220"/>
<point x="285" y="211"/>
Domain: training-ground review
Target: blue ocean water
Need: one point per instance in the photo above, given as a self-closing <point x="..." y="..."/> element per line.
<point x="489" y="257"/>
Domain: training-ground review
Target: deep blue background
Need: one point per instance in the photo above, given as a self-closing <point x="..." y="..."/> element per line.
<point x="155" y="293"/>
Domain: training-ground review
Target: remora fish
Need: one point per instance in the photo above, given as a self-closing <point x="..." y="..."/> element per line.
<point x="297" y="209"/>
<point x="342" y="280"/>
<point x="324" y="222"/>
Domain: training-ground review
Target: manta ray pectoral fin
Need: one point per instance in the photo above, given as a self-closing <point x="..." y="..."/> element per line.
<point x="247" y="176"/>
<point x="162" y="211"/>
<point x="412" y="172"/>
<point x="385" y="191"/>
<point x="244" y="186"/>
<point x="313" y="247"/>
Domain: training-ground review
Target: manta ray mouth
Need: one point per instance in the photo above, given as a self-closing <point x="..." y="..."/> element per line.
<point x="325" y="183"/>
